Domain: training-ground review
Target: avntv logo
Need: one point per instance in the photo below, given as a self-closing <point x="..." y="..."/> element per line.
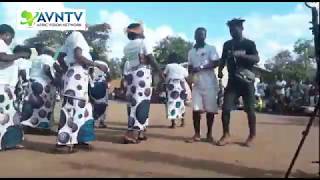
<point x="52" y="20"/>
<point x="28" y="17"/>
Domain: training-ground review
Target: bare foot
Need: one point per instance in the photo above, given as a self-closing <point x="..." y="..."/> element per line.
<point x="173" y="124"/>
<point x="250" y="141"/>
<point x="225" y="139"/>
<point x="209" y="139"/>
<point x="130" y="140"/>
<point x="142" y="136"/>
<point x="182" y="123"/>
<point x="102" y="126"/>
<point x="19" y="146"/>
<point x="195" y="138"/>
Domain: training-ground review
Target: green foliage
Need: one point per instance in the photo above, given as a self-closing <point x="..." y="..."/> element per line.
<point x="115" y="65"/>
<point x="169" y="45"/>
<point x="298" y="68"/>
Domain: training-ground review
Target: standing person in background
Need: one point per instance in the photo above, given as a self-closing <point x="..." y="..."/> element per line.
<point x="280" y="92"/>
<point x="11" y="134"/>
<point x="202" y="59"/>
<point x="313" y="94"/>
<point x="175" y="75"/>
<point x="138" y="79"/>
<point x="240" y="55"/>
<point x="287" y="93"/>
<point x="261" y="87"/>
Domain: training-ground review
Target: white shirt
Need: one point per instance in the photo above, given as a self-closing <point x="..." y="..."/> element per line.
<point x="281" y="84"/>
<point x="175" y="71"/>
<point x="75" y="39"/>
<point x="37" y="72"/>
<point x="131" y="53"/>
<point x="202" y="56"/>
<point x="9" y="70"/>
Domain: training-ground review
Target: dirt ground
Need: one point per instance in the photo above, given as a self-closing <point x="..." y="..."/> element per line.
<point x="165" y="154"/>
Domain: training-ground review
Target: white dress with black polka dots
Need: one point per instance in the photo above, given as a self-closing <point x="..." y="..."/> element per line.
<point x="76" y="120"/>
<point x="41" y="117"/>
<point x="99" y="98"/>
<point x="11" y="133"/>
<point x="176" y="95"/>
<point x="139" y="92"/>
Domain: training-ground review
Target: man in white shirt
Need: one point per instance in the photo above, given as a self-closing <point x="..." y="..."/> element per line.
<point x="176" y="91"/>
<point x="202" y="59"/>
<point x="280" y="85"/>
<point x="11" y="134"/>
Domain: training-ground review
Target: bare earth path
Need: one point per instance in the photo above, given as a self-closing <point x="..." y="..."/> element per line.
<point x="165" y="154"/>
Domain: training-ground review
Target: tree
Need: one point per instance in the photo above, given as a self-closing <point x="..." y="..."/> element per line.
<point x="169" y="45"/>
<point x="54" y="39"/>
<point x="115" y="68"/>
<point x="306" y="56"/>
<point x="299" y="68"/>
<point x="96" y="36"/>
<point x="277" y="64"/>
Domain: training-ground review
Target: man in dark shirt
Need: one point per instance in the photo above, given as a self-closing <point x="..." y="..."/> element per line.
<point x="238" y="52"/>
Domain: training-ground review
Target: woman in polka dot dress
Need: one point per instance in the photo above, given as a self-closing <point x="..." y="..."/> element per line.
<point x="99" y="94"/>
<point x="137" y="74"/>
<point x="11" y="133"/>
<point x="76" y="126"/>
<point x="176" y="90"/>
<point x="42" y="88"/>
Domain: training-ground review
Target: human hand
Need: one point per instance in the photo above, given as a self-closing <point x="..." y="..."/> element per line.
<point x="102" y="68"/>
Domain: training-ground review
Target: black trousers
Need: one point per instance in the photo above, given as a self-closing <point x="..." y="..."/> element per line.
<point x="233" y="91"/>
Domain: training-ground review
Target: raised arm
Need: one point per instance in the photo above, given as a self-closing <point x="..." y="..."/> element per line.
<point x="12" y="57"/>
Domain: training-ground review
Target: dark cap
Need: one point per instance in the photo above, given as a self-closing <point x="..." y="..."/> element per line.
<point x="236" y="22"/>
